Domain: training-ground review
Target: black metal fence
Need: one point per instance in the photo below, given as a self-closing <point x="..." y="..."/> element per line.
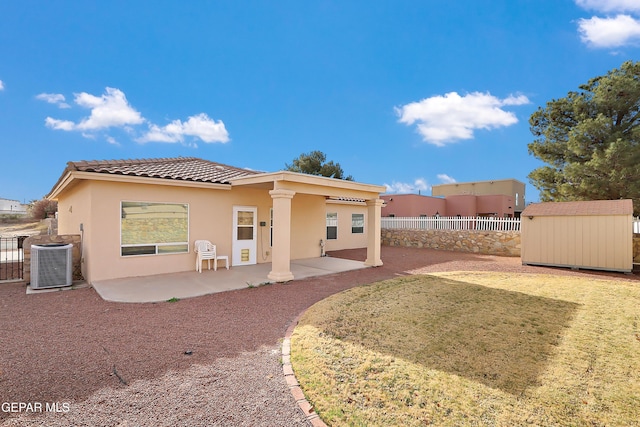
<point x="11" y="258"/>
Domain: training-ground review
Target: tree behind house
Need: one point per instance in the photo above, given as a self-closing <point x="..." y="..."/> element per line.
<point x="590" y="140"/>
<point x="314" y="163"/>
<point x="40" y="209"/>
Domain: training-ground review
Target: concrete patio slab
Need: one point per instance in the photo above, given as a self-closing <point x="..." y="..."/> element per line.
<point x="162" y="287"/>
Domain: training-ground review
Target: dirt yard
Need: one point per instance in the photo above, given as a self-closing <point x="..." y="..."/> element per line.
<point x="23" y="228"/>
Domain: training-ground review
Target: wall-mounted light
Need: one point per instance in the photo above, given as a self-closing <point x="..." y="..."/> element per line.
<point x="530" y="216"/>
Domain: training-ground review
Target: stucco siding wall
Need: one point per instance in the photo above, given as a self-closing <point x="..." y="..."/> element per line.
<point x="598" y="241"/>
<point x="409" y="205"/>
<point x="307" y="225"/>
<point x="463" y="205"/>
<point x="499" y="204"/>
<point x="75" y="209"/>
<point x="346" y="239"/>
<point x="505" y="187"/>
<point x="210" y="218"/>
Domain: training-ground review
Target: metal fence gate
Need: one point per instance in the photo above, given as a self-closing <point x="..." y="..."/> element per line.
<point x="11" y="258"/>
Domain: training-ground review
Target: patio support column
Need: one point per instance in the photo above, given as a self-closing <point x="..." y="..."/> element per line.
<point x="281" y="251"/>
<point x="374" y="209"/>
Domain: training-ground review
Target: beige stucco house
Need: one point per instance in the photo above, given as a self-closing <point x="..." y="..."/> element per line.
<point x="142" y="217"/>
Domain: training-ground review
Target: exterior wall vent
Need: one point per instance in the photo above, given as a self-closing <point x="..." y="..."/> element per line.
<point x="51" y="265"/>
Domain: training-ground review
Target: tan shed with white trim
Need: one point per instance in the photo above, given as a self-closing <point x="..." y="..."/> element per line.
<point x="594" y="234"/>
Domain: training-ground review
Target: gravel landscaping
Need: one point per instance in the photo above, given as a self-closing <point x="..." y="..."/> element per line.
<point x="211" y="360"/>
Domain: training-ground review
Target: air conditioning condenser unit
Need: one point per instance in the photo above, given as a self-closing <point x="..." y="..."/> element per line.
<point x="51" y="265"/>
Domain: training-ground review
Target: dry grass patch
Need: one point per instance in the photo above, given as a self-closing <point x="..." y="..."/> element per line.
<point x="474" y="349"/>
<point x="22" y="227"/>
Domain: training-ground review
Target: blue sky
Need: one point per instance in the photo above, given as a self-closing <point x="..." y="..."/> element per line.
<point x="403" y="93"/>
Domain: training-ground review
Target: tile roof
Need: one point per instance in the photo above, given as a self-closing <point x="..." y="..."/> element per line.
<point x="591" y="207"/>
<point x="177" y="168"/>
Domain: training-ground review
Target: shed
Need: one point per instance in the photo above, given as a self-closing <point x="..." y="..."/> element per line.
<point x="594" y="234"/>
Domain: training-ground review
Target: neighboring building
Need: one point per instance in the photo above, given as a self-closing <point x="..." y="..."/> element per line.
<point x="12" y="207"/>
<point x="142" y="217"/>
<point x="506" y="187"/>
<point x="413" y="205"/>
<point x="463" y="205"/>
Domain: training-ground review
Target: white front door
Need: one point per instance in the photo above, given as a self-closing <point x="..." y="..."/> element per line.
<point x="245" y="233"/>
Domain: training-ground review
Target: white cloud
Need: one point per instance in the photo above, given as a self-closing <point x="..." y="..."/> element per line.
<point x="1" y="85"/>
<point x="609" y="5"/>
<point x="108" y="110"/>
<point x="111" y="140"/>
<point x="446" y="179"/>
<point x="200" y="126"/>
<point x="59" y="124"/>
<point x="112" y="110"/>
<point x="445" y="119"/>
<point x="53" y="98"/>
<point x="609" y="32"/>
<point x="419" y="185"/>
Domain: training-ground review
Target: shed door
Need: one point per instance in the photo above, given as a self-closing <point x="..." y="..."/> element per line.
<point x="244" y="235"/>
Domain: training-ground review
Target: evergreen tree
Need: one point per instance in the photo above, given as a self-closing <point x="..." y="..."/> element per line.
<point x="314" y="163"/>
<point x="590" y="140"/>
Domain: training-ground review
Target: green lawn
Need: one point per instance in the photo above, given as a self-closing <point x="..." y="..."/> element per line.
<point x="474" y="349"/>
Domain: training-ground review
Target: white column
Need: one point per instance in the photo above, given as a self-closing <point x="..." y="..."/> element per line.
<point x="281" y="251"/>
<point x="374" y="209"/>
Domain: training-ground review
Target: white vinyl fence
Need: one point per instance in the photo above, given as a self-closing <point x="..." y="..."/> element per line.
<point x="636" y="225"/>
<point x="453" y="223"/>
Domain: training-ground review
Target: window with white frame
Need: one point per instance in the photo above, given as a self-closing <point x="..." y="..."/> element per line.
<point x="332" y="226"/>
<point x="357" y="223"/>
<point x="153" y="228"/>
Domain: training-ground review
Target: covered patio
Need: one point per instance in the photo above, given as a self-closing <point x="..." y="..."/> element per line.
<point x="284" y="186"/>
<point x="163" y="287"/>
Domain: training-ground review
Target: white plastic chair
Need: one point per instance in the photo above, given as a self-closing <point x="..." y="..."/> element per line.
<point x="205" y="250"/>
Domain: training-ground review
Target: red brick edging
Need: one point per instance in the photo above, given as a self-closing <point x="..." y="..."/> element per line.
<point x="291" y="380"/>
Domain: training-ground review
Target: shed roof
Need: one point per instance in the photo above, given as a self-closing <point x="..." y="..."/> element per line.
<point x="591" y="207"/>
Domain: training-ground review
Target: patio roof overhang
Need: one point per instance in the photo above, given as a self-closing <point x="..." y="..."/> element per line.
<point x="311" y="184"/>
<point x="284" y="185"/>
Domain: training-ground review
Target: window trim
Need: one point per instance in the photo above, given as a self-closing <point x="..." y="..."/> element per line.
<point x="156" y="245"/>
<point x="357" y="229"/>
<point x="334" y="226"/>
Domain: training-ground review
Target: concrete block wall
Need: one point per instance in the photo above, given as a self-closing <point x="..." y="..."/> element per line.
<point x="505" y="243"/>
<point x="76" y="252"/>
